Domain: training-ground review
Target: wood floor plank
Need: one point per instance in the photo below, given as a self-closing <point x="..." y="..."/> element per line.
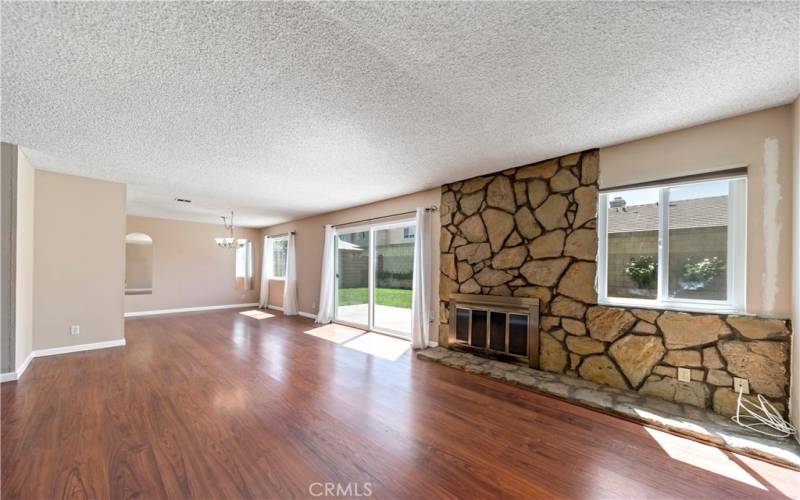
<point x="220" y="405"/>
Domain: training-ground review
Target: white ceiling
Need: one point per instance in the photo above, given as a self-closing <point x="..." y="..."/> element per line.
<point x="282" y="110"/>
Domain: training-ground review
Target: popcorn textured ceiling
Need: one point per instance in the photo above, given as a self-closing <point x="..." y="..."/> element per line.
<point x="283" y="110"/>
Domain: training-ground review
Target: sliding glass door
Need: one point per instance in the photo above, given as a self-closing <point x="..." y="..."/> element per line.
<point x="374" y="272"/>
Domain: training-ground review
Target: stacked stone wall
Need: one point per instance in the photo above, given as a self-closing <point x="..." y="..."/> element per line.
<point x="531" y="231"/>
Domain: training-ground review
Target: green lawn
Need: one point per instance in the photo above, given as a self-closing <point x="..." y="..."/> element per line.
<point x="384" y="297"/>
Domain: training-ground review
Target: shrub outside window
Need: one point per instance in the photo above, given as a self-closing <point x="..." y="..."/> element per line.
<point x="675" y="246"/>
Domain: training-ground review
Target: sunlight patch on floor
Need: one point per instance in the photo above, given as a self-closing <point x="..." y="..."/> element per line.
<point x="382" y="346"/>
<point x="256" y="314"/>
<point x="334" y="332"/>
<point x="375" y="344"/>
<point x="702" y="456"/>
<point x="772" y="474"/>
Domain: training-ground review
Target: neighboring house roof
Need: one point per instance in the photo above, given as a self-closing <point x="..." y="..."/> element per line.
<point x="349" y="247"/>
<point x="683" y="214"/>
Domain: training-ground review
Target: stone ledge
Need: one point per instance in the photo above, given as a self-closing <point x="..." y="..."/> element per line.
<point x="686" y="419"/>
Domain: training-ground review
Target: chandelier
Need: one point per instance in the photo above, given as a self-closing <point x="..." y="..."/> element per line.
<point x="228" y="241"/>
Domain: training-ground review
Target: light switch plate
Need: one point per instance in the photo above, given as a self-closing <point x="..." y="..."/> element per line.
<point x="684" y="374"/>
<point x="741" y="382"/>
<point x="75" y="329"/>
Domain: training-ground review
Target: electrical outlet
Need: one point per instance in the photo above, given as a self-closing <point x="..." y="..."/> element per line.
<point x="75" y="330"/>
<point x="684" y="374"/>
<point x="741" y="383"/>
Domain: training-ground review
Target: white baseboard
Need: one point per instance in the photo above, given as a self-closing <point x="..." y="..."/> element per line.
<point x="15" y="375"/>
<point x="299" y="313"/>
<point x="187" y="309"/>
<point x="25" y="364"/>
<point x="11" y="376"/>
<point x="78" y="348"/>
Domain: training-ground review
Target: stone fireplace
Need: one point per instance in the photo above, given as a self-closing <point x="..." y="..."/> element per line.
<point x="531" y="232"/>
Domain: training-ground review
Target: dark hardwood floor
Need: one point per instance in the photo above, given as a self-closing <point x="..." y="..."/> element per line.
<point x="219" y="405"/>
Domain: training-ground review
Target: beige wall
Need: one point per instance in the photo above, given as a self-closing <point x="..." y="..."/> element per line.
<point x="25" y="250"/>
<point x="309" y="237"/>
<point x="719" y="145"/>
<point x="276" y="292"/>
<point x="189" y="269"/>
<point x="79" y="230"/>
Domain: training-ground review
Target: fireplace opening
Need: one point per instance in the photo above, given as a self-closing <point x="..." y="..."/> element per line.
<point x="498" y="327"/>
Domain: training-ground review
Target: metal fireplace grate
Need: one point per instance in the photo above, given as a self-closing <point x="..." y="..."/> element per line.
<point x="493" y="325"/>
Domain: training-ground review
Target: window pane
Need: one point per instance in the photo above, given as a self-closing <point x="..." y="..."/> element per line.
<point x="698" y="241"/>
<point x="352" y="272"/>
<point x="632" y="270"/>
<point x="244" y="265"/>
<point x="394" y="271"/>
<point x="279" y="257"/>
<point x="242" y="259"/>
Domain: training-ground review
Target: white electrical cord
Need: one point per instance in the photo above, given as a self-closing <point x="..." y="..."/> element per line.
<point x="761" y="415"/>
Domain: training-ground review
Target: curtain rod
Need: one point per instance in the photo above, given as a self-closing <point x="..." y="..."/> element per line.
<point x="280" y="234"/>
<point x="714" y="174"/>
<point x="427" y="209"/>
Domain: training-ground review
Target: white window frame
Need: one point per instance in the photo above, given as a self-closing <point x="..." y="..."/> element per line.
<point x="272" y="276"/>
<point x="736" y="259"/>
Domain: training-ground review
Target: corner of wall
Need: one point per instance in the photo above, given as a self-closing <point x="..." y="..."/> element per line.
<point x="24" y="261"/>
<point x="794" y="398"/>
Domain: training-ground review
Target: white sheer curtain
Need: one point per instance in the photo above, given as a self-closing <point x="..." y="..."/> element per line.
<point x="421" y="303"/>
<point x="290" y="282"/>
<point x="266" y="273"/>
<point x="325" y="313"/>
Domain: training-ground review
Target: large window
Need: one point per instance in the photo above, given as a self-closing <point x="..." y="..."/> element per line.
<point x="674" y="246"/>
<point x="278" y="257"/>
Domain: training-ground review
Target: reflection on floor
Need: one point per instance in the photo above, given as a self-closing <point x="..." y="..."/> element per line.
<point x="383" y="346"/>
<point x="392" y="318"/>
<point x="375" y="344"/>
<point x="256" y="314"/>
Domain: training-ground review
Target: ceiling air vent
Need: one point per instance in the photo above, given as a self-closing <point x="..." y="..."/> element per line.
<point x="183" y="200"/>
